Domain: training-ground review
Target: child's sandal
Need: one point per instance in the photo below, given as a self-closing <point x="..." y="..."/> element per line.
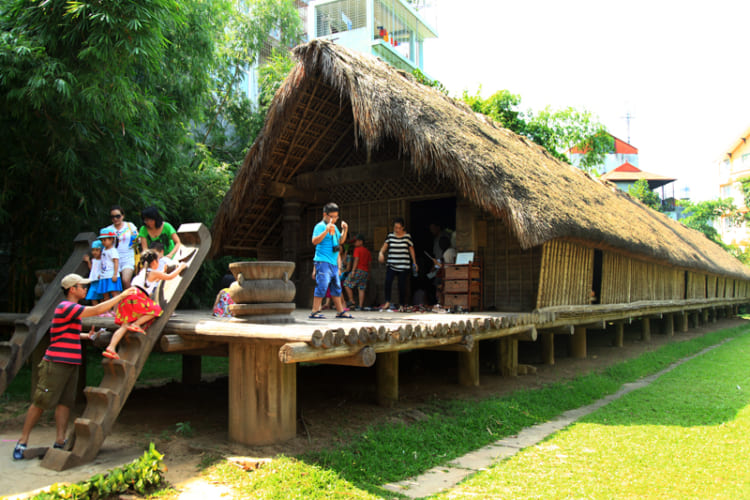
<point x="107" y="353"/>
<point x="136" y="329"/>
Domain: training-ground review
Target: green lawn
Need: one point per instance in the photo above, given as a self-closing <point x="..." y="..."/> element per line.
<point x="685" y="436"/>
<point x="688" y="427"/>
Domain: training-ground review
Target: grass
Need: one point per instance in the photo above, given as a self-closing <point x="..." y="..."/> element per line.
<point x="687" y="435"/>
<point x="391" y="452"/>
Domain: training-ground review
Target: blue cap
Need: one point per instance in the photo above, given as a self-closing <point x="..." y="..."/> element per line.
<point x="96" y="244"/>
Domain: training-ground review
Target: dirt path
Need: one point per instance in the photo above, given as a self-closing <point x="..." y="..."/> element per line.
<point x="155" y="414"/>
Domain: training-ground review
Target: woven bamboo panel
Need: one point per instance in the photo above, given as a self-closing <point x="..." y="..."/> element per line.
<point x="406" y="187"/>
<point x="696" y="285"/>
<point x="511" y="274"/>
<point x="615" y="279"/>
<point x="567" y="274"/>
<point x="711" y="286"/>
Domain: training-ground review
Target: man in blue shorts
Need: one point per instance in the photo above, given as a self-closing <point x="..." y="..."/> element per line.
<point x="328" y="240"/>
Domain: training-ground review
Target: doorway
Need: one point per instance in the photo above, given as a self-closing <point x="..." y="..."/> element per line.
<point x="422" y="214"/>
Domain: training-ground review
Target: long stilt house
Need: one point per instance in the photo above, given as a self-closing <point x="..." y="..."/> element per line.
<point x="348" y="128"/>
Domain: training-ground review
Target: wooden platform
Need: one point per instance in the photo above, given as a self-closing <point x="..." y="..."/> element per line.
<point x="263" y="357"/>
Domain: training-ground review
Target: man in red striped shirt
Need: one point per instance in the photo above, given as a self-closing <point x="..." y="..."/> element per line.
<point x="58" y="371"/>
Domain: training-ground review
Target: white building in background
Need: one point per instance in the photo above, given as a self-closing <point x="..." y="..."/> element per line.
<point x="734" y="165"/>
<point x="392" y="30"/>
<point x="389" y="29"/>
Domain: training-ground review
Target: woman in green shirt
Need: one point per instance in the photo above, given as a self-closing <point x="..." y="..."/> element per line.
<point x="155" y="229"/>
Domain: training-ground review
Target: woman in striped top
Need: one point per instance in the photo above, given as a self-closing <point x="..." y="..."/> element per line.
<point x="400" y="249"/>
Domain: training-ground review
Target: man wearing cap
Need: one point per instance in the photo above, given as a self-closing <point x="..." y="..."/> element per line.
<point x="58" y="371"/>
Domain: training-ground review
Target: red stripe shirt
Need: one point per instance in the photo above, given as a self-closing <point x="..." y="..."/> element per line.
<point x="65" y="334"/>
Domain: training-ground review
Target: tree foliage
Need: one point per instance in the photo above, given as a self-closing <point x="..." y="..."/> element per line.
<point x="134" y="103"/>
<point x="641" y="191"/>
<point x="702" y="215"/>
<point x="557" y="131"/>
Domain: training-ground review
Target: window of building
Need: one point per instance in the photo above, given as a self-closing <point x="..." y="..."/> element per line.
<point x="340" y="16"/>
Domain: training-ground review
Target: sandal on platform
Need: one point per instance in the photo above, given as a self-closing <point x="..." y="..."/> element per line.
<point x="110" y="354"/>
<point x="317" y="315"/>
<point x="136" y="329"/>
<point x="344" y="315"/>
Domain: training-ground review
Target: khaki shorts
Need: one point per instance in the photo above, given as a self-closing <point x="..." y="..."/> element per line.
<point x="57" y="385"/>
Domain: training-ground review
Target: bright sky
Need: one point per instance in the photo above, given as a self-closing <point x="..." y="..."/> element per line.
<point x="680" y="68"/>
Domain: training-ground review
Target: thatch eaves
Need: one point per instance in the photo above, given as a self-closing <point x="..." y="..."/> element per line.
<point x="506" y="175"/>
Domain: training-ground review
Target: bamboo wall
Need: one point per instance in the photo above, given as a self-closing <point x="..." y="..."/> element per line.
<point x="566" y="275"/>
<point x="626" y="280"/>
<point x="511" y="274"/>
<point x="695" y="285"/>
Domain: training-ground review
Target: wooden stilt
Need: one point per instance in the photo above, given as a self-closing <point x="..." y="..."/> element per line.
<point x="262" y="395"/>
<point x="646" y="329"/>
<point x="191" y="369"/>
<point x="619" y="334"/>
<point x="696" y="316"/>
<point x="578" y="343"/>
<point x="508" y="356"/>
<point x="468" y="367"/>
<point x="386" y="367"/>
<point x="683" y="321"/>
<point x="668" y="325"/>
<point x="548" y="348"/>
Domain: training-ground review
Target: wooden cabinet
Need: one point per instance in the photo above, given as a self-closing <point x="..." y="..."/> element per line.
<point x="461" y="285"/>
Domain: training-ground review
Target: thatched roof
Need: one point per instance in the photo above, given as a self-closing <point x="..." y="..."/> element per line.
<point x="336" y="98"/>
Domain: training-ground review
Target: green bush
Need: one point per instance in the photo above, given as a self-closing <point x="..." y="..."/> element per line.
<point x="139" y="476"/>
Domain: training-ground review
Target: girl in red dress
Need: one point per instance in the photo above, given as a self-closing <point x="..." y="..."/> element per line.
<point x="139" y="308"/>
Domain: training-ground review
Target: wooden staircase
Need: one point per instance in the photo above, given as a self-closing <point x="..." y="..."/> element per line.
<point x="104" y="403"/>
<point x="29" y="331"/>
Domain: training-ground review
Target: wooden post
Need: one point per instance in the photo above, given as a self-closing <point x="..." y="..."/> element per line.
<point x="508" y="356"/>
<point x="386" y="367"/>
<point x="578" y="343"/>
<point x="696" y="319"/>
<point x="646" y="331"/>
<point x="704" y="316"/>
<point x="262" y="395"/>
<point x="191" y="369"/>
<point x="619" y="333"/>
<point x="668" y="325"/>
<point x="290" y="229"/>
<point x="465" y="233"/>
<point x="682" y="319"/>
<point x="468" y="367"/>
<point x="548" y="348"/>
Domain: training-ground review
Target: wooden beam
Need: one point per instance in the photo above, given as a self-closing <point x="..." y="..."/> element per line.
<point x="466" y="345"/>
<point x="175" y="343"/>
<point x="365" y="358"/>
<point x="283" y="190"/>
<point x="325" y="179"/>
